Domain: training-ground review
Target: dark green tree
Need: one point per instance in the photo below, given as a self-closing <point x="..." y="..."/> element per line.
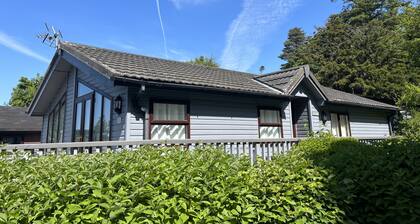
<point x="25" y="90"/>
<point x="363" y="50"/>
<point x="205" y="61"/>
<point x="295" y="38"/>
<point x="410" y="103"/>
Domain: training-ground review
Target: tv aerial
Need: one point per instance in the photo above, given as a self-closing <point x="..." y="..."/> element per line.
<point x="51" y="37"/>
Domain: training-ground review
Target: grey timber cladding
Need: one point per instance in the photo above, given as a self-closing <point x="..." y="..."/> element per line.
<point x="212" y="116"/>
<point x="98" y="82"/>
<point x="68" y="122"/>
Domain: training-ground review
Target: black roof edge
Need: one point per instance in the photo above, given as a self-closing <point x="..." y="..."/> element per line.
<point x="364" y="105"/>
<point x="130" y="81"/>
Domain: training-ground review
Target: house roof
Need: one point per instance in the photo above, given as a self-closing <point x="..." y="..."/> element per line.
<point x="15" y="119"/>
<point x="285" y="80"/>
<point x="340" y="97"/>
<point x="288" y="79"/>
<point x="120" y="65"/>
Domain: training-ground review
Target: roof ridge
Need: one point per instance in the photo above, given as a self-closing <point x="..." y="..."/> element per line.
<point x="281" y="71"/>
<point x="153" y="57"/>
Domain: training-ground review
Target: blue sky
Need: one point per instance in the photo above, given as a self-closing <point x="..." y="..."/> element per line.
<point x="240" y="34"/>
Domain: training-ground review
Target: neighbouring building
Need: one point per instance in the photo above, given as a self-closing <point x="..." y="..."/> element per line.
<point x="96" y="94"/>
<point x="17" y="127"/>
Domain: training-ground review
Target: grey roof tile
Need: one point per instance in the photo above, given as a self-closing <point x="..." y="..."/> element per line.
<point x="284" y="80"/>
<point x="131" y="66"/>
<point x="287" y="79"/>
<point x="124" y="65"/>
<point x="16" y="119"/>
<point x="336" y="96"/>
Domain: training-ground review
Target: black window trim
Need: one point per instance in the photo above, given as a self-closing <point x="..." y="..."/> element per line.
<point x="92" y="96"/>
<point x="57" y="108"/>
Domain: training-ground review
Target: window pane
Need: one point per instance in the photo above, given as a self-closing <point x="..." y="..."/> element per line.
<point x="176" y="112"/>
<point x="61" y="124"/>
<point x="50" y="127"/>
<point x="97" y="117"/>
<point x="270" y="132"/>
<point x="87" y="121"/>
<point x="171" y="112"/>
<point x="78" y="128"/>
<point x="106" y="120"/>
<point x="344" y="125"/>
<point x="82" y="89"/>
<point x="270" y="116"/>
<point x="162" y="132"/>
<point x="55" y="126"/>
<point x="334" y="125"/>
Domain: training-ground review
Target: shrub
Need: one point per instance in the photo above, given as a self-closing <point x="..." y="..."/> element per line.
<point x="371" y="183"/>
<point x="162" y="185"/>
<point x="323" y="180"/>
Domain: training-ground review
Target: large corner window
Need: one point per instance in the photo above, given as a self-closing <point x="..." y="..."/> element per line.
<point x="56" y="122"/>
<point x="269" y="125"/>
<point x="340" y="125"/>
<point x="92" y="115"/>
<point x="169" y="120"/>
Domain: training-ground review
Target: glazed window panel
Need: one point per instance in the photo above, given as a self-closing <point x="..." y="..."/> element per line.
<point x="340" y="125"/>
<point x="169" y="121"/>
<point x="93" y="115"/>
<point x="270" y="125"/>
<point x="56" y="123"/>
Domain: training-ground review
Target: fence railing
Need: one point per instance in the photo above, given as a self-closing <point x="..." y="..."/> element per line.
<point x="264" y="148"/>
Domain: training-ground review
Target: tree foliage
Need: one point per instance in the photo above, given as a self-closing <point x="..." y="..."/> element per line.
<point x="295" y="38"/>
<point x="370" y="48"/>
<point x="205" y="61"/>
<point x="25" y="90"/>
<point x="410" y="103"/>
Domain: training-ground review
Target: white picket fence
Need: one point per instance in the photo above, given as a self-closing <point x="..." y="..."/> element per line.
<point x="263" y="148"/>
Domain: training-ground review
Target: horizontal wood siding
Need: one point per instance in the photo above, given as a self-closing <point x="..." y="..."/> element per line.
<point x="368" y="123"/>
<point x="315" y="117"/>
<point x="212" y="116"/>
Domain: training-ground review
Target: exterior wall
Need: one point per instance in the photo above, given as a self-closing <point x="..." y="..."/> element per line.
<point x="44" y="128"/>
<point x="55" y="100"/>
<point x="314" y="112"/>
<point x="95" y="81"/>
<point x="364" y="122"/>
<point x="102" y="84"/>
<point x="212" y="116"/>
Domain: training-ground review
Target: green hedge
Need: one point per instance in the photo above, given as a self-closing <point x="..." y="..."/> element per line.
<point x="324" y="180"/>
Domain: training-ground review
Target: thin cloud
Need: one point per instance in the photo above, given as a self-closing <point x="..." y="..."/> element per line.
<point x="180" y="3"/>
<point x="123" y="45"/>
<point x="179" y="55"/>
<point x="12" y="44"/>
<point x="161" y="26"/>
<point x="247" y="32"/>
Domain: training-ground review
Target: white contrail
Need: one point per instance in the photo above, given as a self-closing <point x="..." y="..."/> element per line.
<point x="11" y="43"/>
<point x="247" y="32"/>
<point x="163" y="29"/>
